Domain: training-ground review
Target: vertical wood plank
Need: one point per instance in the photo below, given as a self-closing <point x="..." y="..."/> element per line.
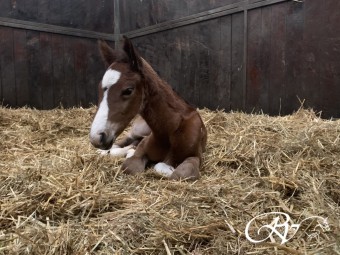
<point x="264" y="61"/>
<point x="329" y="79"/>
<point x="322" y="54"/>
<point x="254" y="72"/>
<point x="94" y="71"/>
<point x="5" y="8"/>
<point x="187" y="67"/>
<point x="7" y="66"/>
<point x="33" y="51"/>
<point x="209" y="43"/>
<point x="45" y="75"/>
<point x="80" y="67"/>
<point x="70" y="91"/>
<point x="223" y="81"/>
<point x="294" y="51"/>
<point x="58" y="77"/>
<point x="193" y="64"/>
<point x="237" y="68"/>
<point x="311" y="52"/>
<point x="31" y="10"/>
<point x="43" y="11"/>
<point x="21" y="68"/>
<point x="55" y="12"/>
<point x="277" y="59"/>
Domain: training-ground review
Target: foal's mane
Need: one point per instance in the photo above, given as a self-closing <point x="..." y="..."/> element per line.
<point x="157" y="85"/>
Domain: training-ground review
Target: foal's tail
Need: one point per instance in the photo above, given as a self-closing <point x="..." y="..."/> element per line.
<point x="204" y="138"/>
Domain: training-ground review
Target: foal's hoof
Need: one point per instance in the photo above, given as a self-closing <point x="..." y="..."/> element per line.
<point x="133" y="166"/>
<point x="188" y="170"/>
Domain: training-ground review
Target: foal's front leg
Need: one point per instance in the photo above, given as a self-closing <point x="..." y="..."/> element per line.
<point x="137" y="162"/>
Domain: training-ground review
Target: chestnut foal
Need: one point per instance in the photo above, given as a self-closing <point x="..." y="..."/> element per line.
<point x="173" y="136"/>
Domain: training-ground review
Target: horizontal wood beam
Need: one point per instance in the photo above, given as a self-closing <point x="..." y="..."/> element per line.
<point x="22" y="24"/>
<point x="202" y="16"/>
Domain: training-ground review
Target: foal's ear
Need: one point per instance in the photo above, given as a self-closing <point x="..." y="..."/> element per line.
<point x="108" y="54"/>
<point x="134" y="58"/>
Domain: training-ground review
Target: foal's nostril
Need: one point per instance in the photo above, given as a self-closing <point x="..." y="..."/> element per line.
<point x="102" y="138"/>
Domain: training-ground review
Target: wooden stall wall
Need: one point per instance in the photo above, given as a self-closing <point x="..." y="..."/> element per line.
<point x="248" y="55"/>
<point x="255" y="55"/>
<point x="48" y="51"/>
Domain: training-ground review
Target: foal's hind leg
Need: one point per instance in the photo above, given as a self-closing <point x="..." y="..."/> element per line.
<point x="134" y="165"/>
<point x="188" y="170"/>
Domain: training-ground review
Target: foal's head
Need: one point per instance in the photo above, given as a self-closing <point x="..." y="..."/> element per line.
<point x="120" y="94"/>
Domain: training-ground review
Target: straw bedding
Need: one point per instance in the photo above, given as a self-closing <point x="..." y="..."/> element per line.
<point x="59" y="196"/>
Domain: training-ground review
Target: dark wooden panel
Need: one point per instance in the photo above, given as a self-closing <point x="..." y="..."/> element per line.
<point x="295" y="86"/>
<point x="7" y="66"/>
<point x="192" y="64"/>
<point x="139" y="14"/>
<point x="58" y="76"/>
<point x="207" y="60"/>
<point x="322" y="55"/>
<point x="82" y="14"/>
<point x="21" y="68"/>
<point x="254" y="71"/>
<point x="80" y="69"/>
<point x="264" y="61"/>
<point x="329" y="81"/>
<point x="94" y="72"/>
<point x="45" y="74"/>
<point x="30" y="9"/>
<point x="70" y="90"/>
<point x="277" y="59"/>
<point x="33" y="59"/>
<point x="308" y="82"/>
<point x="292" y="50"/>
<point x="186" y="59"/>
<point x="222" y="69"/>
<point x="5" y="8"/>
<point x="98" y="11"/>
<point x="258" y="66"/>
<point x="237" y="89"/>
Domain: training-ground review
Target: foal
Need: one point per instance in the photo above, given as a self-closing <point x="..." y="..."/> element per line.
<point x="129" y="87"/>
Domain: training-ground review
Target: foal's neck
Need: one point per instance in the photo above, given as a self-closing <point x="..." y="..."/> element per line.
<point x="162" y="108"/>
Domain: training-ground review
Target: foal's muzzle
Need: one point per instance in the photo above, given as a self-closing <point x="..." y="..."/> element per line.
<point x="102" y="141"/>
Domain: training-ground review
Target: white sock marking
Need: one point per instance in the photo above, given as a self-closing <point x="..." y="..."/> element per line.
<point x="130" y="153"/>
<point x="164" y="169"/>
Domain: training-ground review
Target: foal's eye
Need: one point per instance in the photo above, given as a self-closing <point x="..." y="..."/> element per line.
<point x="104" y="89"/>
<point x="127" y="92"/>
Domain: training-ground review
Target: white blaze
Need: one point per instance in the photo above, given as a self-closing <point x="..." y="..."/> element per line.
<point x="100" y="122"/>
<point x="110" y="78"/>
